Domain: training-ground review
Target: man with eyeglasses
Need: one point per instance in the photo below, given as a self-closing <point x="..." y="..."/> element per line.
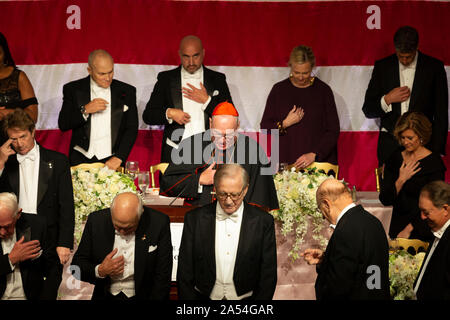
<point x="228" y="248"/>
<point x="193" y="165"/>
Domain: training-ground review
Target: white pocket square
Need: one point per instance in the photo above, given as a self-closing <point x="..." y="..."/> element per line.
<point x="125" y="108"/>
<point x="215" y="93"/>
<point x="152" y="248"/>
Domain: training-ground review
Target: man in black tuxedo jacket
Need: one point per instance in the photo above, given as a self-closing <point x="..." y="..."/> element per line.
<point x="407" y="81"/>
<point x="41" y="180"/>
<point x="126" y="251"/>
<point x="433" y="279"/>
<point x="228" y="248"/>
<point x="184" y="98"/>
<point x="29" y="267"/>
<point x="102" y="114"/>
<point x="355" y="264"/>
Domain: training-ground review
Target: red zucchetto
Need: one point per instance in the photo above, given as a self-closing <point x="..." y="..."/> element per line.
<point x="225" y="109"/>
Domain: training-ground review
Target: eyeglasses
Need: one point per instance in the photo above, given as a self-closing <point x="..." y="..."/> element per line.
<point x="233" y="196"/>
<point x="229" y="135"/>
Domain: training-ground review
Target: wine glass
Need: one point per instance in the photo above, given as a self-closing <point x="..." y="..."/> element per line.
<point x="143" y="181"/>
<point x="132" y="169"/>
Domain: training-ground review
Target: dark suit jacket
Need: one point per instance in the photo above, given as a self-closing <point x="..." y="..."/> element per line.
<point x="358" y="242"/>
<point x="167" y="94"/>
<point x="435" y="283"/>
<point x="152" y="270"/>
<point x="429" y="95"/>
<point x="55" y="193"/>
<point x="124" y="124"/>
<point x="256" y="259"/>
<point x="40" y="277"/>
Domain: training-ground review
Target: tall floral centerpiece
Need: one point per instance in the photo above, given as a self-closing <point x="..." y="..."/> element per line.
<point x="403" y="270"/>
<point x="298" y="208"/>
<point x="94" y="189"/>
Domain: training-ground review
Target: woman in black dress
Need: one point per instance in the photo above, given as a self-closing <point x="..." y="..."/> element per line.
<point x="16" y="90"/>
<point x="406" y="172"/>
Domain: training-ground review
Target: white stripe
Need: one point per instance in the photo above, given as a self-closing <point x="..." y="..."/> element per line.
<point x="249" y="88"/>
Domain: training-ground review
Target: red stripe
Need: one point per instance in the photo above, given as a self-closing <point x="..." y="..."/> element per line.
<point x="356" y="153"/>
<point x="234" y="33"/>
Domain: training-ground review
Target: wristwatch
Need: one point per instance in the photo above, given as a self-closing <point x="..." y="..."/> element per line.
<point x="83" y="110"/>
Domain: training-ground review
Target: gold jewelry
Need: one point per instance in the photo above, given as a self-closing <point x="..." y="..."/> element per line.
<point x="281" y="128"/>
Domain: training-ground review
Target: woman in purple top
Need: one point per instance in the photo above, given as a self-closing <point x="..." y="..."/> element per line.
<point x="302" y="107"/>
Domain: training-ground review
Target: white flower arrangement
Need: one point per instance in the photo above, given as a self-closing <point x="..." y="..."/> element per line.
<point x="403" y="270"/>
<point x="94" y="189"/>
<point x="298" y="207"/>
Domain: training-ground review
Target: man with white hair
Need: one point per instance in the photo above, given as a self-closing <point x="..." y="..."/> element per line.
<point x="126" y="251"/>
<point x="29" y="268"/>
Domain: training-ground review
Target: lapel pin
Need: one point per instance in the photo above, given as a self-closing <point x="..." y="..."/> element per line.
<point x="144" y="237"/>
<point x="50" y="165"/>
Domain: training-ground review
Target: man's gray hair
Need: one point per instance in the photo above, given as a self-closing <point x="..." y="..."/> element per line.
<point x="9" y="200"/>
<point x="140" y="208"/>
<point x="438" y="192"/>
<point x="230" y="170"/>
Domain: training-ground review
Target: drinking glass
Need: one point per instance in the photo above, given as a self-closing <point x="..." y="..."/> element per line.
<point x="143" y="181"/>
<point x="132" y="169"/>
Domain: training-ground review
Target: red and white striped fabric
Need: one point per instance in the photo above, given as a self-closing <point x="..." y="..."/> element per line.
<point x="248" y="41"/>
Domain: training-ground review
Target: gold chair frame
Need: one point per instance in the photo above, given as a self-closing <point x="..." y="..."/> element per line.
<point x="405" y="244"/>
<point x="325" y="166"/>
<point x="161" y="167"/>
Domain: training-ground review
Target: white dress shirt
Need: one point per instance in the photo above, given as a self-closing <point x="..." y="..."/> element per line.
<point x="407" y="74"/>
<point x="194" y="109"/>
<point x="100" y="137"/>
<point x="227" y="240"/>
<point x="14" y="286"/>
<point x="29" y="177"/>
<point x="125" y="282"/>
<point x="437" y="237"/>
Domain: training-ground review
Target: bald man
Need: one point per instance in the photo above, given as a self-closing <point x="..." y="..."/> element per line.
<point x="126" y="252"/>
<point x="102" y="114"/>
<point x="184" y="98"/>
<point x="355" y="263"/>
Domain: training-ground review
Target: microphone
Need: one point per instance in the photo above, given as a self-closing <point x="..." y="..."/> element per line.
<point x="178" y="195"/>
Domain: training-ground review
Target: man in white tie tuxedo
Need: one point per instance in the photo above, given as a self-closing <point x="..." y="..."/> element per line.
<point x="407" y="80"/>
<point x="433" y="280"/>
<point x="102" y="114"/>
<point x="183" y="98"/>
<point x="126" y="251"/>
<point x="28" y="263"/>
<point x="41" y="180"/>
<point x="228" y="248"/>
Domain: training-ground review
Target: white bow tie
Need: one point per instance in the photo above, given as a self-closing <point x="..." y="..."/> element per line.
<point x="30" y="156"/>
<point x="188" y="75"/>
<point x="223" y="216"/>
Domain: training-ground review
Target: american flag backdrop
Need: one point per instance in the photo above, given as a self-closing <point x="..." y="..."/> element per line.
<point x="249" y="41"/>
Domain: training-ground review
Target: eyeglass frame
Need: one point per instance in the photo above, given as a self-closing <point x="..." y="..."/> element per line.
<point x="224" y="197"/>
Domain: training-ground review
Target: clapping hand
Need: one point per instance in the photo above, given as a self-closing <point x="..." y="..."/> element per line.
<point x="312" y="256"/>
<point x="294" y="116"/>
<point x="195" y="94"/>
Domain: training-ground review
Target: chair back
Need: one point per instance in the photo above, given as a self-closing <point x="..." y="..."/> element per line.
<point x="378" y="177"/>
<point x="87" y="166"/>
<point x="327" y="167"/>
<point x="161" y="167"/>
<point x="408" y="245"/>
